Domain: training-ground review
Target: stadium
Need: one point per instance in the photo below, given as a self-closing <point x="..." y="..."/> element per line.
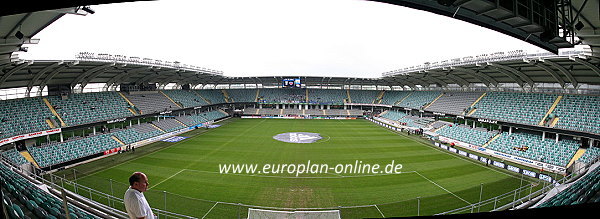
<point x="480" y="135"/>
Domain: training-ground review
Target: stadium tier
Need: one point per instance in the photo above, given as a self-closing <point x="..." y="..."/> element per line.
<point x="579" y="113"/>
<point x="392" y="97"/>
<point x="327" y="96"/>
<point x="524" y="108"/>
<point x="418" y="100"/>
<point x="185" y="98"/>
<point x="30" y="201"/>
<point x="242" y="95"/>
<point x="474" y="136"/>
<point x="136" y="133"/>
<point x="149" y="103"/>
<point x="364" y="96"/>
<point x="21" y="116"/>
<point x="582" y="191"/>
<point x="60" y="152"/>
<point x="276" y="95"/>
<point x="393" y="115"/>
<point x="84" y="108"/>
<point x="14" y="156"/>
<point x="533" y="147"/>
<point x="212" y="96"/>
<point x="455" y="103"/>
<point x="590" y="154"/>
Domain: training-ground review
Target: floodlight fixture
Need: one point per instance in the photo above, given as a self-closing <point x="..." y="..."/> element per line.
<point x="19" y="35"/>
<point x="88" y="9"/>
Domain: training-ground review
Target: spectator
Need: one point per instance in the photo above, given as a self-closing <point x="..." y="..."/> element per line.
<point x="135" y="202"/>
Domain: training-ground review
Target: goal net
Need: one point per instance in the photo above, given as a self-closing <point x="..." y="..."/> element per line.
<point x="271" y="214"/>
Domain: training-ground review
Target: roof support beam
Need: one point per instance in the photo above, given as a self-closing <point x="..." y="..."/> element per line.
<point x="54" y="73"/>
<point x="549" y="70"/>
<point x="515" y="72"/>
<point x="587" y="64"/>
<point x="124" y="76"/>
<point x="39" y="74"/>
<point x="483" y="78"/>
<point x="436" y="80"/>
<point x="89" y="72"/>
<point x="12" y="71"/>
<point x="562" y="70"/>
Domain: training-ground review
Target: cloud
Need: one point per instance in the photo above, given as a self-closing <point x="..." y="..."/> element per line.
<point x="267" y="37"/>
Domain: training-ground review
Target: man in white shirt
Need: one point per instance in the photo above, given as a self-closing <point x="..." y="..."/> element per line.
<point x="135" y="202"/>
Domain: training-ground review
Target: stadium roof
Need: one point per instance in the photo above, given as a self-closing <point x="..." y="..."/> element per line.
<point x="567" y="70"/>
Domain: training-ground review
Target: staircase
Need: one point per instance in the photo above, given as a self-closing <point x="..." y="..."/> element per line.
<point x="429" y="104"/>
<point x="476" y="101"/>
<point x="167" y="96"/>
<point x="578" y="154"/>
<point x="490" y="141"/>
<point x="156" y="127"/>
<point x="348" y="94"/>
<point x="130" y="104"/>
<point x="62" y="123"/>
<point x="257" y="95"/>
<point x="379" y="97"/>
<point x="50" y="123"/>
<point x="117" y="139"/>
<point x="400" y="101"/>
<point x="29" y="158"/>
<point x="550" y="110"/>
<point x="226" y="96"/>
<point x="198" y="94"/>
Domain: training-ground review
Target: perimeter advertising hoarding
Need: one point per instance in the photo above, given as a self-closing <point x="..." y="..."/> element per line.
<point x="29" y="135"/>
<point x="484" y="159"/>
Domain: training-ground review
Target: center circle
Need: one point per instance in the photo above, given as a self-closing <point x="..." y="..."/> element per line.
<point x="298" y="137"/>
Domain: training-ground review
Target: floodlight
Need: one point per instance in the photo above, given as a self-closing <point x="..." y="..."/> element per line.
<point x="19" y="35"/>
<point x="88" y="9"/>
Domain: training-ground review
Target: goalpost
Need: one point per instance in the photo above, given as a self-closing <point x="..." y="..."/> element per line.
<point x="269" y="214"/>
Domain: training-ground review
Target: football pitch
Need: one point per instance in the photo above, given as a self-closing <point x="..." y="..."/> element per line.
<point x="187" y="178"/>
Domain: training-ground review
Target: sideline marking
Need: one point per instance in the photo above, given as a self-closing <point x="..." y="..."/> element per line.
<point x="209" y="210"/>
<point x="448" y="191"/>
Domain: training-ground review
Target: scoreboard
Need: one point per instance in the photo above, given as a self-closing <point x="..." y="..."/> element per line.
<point x="292" y="82"/>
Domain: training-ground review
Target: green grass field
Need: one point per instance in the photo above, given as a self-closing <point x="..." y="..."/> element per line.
<point x="184" y="176"/>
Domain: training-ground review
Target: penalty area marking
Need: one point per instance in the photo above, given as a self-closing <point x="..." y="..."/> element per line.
<point x="209" y="210"/>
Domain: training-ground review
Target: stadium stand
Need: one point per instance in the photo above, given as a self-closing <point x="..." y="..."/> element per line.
<point x="213" y="96"/>
<point x="364" y="96"/>
<point x="590" y="154"/>
<point x="85" y="108"/>
<point x="474" y="136"/>
<point x="242" y="95"/>
<point x="30" y="201"/>
<point x="136" y="133"/>
<point x="149" y="103"/>
<point x="276" y="95"/>
<point x="392" y="97"/>
<point x="168" y="125"/>
<point x="60" y="152"/>
<point x="14" y="156"/>
<point x="533" y="147"/>
<point x="418" y="100"/>
<point x="185" y="98"/>
<point x="578" y="113"/>
<point x="326" y="96"/>
<point x="524" y="108"/>
<point x="21" y="116"/>
<point x="393" y="115"/>
<point x="581" y="191"/>
<point x="455" y="103"/>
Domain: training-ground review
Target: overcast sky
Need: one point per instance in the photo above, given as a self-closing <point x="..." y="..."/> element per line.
<point x="342" y="38"/>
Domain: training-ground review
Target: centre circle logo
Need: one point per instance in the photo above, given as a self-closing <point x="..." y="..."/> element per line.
<point x="298" y="137"/>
